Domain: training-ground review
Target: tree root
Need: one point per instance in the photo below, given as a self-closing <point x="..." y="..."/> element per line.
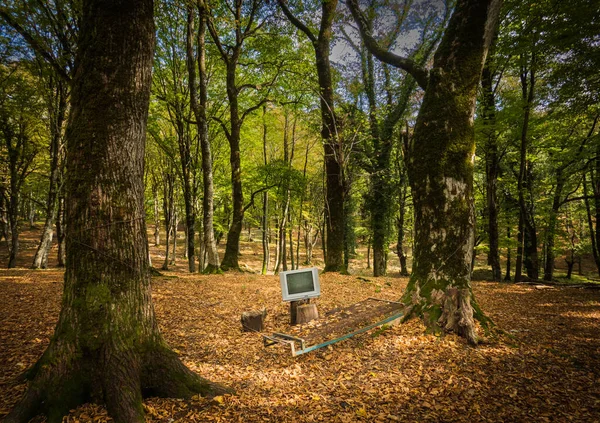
<point x="211" y="269"/>
<point x="120" y="378"/>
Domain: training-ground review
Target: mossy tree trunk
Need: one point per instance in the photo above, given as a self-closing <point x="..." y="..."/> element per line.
<point x="440" y="167"/>
<point x="107" y="345"/>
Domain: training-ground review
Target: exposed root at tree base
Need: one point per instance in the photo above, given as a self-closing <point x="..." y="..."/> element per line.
<point x="211" y="269"/>
<point x="120" y="379"/>
<point x="451" y="311"/>
<point x="457" y="314"/>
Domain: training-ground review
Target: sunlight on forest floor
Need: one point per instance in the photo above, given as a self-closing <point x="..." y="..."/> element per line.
<point x="546" y="370"/>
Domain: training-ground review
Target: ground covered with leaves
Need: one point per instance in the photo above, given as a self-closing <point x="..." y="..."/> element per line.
<point x="546" y="367"/>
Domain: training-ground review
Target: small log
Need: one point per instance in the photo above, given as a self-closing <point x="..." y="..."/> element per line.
<point x="254" y="320"/>
<point x="306" y="313"/>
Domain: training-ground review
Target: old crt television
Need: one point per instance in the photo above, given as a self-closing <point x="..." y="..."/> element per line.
<point x="300" y="284"/>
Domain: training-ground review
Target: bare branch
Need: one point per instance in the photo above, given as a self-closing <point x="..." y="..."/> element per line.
<point x="420" y="74"/>
<point x="34" y="44"/>
<point x="296" y="22"/>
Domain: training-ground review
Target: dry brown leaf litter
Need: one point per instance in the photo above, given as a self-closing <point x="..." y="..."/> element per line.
<point x="549" y="371"/>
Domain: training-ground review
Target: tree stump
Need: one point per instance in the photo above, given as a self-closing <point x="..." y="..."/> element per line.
<point x="294" y="310"/>
<point x="254" y="320"/>
<point x="306" y="313"/>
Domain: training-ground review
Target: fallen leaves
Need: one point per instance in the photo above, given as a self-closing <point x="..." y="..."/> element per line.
<point x="547" y="371"/>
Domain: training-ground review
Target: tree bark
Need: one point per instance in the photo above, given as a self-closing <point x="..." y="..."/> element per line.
<point x="168" y="211"/>
<point x="508" y="258"/>
<point x="60" y="227"/>
<point x="440" y="169"/>
<point x="594" y="230"/>
<point x="107" y="345"/>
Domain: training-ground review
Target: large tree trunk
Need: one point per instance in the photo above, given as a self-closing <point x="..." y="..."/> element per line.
<point x="107" y="345"/>
<point x="334" y="207"/>
<point x="441" y="174"/>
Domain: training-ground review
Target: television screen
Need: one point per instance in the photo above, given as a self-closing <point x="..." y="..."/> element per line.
<point x="300" y="284"/>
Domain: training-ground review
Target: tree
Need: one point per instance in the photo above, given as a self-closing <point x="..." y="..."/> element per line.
<point x="19" y="108"/>
<point x="107" y="344"/>
<point x="172" y="87"/>
<point x="440" y="166"/>
<point x="332" y="142"/>
<point x="230" y="41"/>
<point x="384" y="115"/>
<point x="199" y="104"/>
<point x="492" y="160"/>
<point x="49" y="30"/>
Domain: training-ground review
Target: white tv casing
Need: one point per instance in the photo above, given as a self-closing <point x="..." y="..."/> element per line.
<point x="315" y="292"/>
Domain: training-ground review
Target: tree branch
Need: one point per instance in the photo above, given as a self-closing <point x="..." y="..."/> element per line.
<point x="420" y="74"/>
<point x="227" y="134"/>
<point x="251" y="203"/>
<point x="296" y="22"/>
<point x="34" y="44"/>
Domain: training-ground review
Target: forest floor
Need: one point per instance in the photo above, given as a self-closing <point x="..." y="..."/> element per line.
<point x="547" y="367"/>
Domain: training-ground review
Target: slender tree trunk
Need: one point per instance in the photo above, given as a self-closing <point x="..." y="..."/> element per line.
<point x="107" y="343"/>
<point x="4" y="227"/>
<point x="552" y="223"/>
<point x="292" y="262"/>
<point x="491" y="166"/>
<point x="13" y="219"/>
<point x="594" y="230"/>
<point x="168" y="204"/>
<point x="57" y="111"/>
<point x="230" y="260"/>
<point x="265" y="233"/>
<point x="174" y="225"/>
<point x="527" y="231"/>
<point x="519" y="260"/>
<point x="199" y="108"/>
<point x="265" y="202"/>
<point x="507" y="275"/>
<point x="400" y="228"/>
<point x="156" y="214"/>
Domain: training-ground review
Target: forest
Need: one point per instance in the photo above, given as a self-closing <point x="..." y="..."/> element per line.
<point x="163" y="161"/>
